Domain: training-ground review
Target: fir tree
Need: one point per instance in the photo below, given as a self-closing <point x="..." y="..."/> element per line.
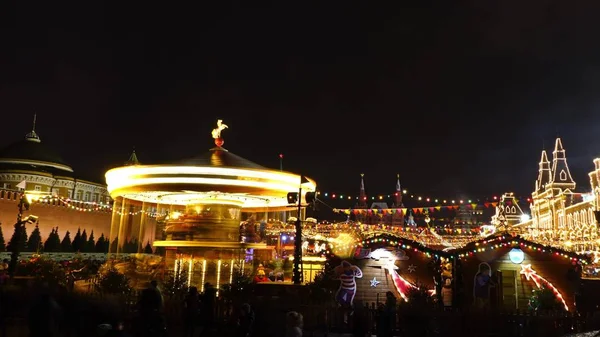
<point x="90" y="246"/>
<point x="34" y="244"/>
<point x="66" y="245"/>
<point x="13" y="240"/>
<point x="130" y="246"/>
<point x="2" y="243"/>
<point x="76" y="244"/>
<point x="55" y="244"/>
<point x="112" y="246"/>
<point x="100" y="244"/>
<point x="48" y="243"/>
<point x="148" y="248"/>
<point x="84" y="239"/>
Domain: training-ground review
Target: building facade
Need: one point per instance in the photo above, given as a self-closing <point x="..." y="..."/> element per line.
<point x="44" y="171"/>
<point x="560" y="216"/>
<point x="65" y="201"/>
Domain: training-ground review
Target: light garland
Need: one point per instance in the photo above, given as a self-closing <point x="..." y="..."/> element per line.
<point x="406" y="244"/>
<point x="416" y="210"/>
<point x="87" y="206"/>
<point x="83" y="206"/>
<point x="532" y="275"/>
<point x="508" y="240"/>
<point x="415" y="197"/>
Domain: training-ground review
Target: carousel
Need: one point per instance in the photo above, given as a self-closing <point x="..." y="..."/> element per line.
<point x="205" y="213"/>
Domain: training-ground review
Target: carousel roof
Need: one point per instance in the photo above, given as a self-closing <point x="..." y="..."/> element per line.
<point x="217" y="176"/>
<point x="219" y="157"/>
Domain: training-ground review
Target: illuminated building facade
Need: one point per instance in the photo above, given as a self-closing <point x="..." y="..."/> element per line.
<point x="376" y="214"/>
<point x="44" y="171"/>
<point x="559" y="215"/>
<point x="66" y="201"/>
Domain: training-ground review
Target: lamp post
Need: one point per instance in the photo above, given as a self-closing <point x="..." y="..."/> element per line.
<point x="297" y="276"/>
<point x="19" y="228"/>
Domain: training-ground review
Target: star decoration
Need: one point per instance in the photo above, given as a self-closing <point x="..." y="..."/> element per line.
<point x="527" y="271"/>
<point x="374" y="282"/>
<point x="412" y="268"/>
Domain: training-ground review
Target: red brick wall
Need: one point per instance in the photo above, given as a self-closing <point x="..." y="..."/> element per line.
<point x="52" y="216"/>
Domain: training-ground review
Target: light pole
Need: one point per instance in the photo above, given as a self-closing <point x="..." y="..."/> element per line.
<point x="297" y="276"/>
<point x="19" y="228"/>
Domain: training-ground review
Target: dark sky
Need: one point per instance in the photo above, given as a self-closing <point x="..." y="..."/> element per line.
<point x="457" y="99"/>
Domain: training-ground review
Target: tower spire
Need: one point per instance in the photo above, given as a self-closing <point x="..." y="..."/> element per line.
<point x="362" y="199"/>
<point x="32" y="136"/>
<point x="398" y="194"/>
<point x="561" y="176"/>
<point x="544" y="173"/>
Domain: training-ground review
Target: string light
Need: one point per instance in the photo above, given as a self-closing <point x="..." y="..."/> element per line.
<point x="416" y="197"/>
<point x="507" y="240"/>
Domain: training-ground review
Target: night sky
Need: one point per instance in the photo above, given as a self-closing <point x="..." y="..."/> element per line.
<point x="459" y="100"/>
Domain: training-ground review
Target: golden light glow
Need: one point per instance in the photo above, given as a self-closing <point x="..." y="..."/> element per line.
<point x="203" y="275"/>
<point x="266" y="188"/>
<point x="218" y="276"/>
<point x="190" y="269"/>
<point x="231" y="272"/>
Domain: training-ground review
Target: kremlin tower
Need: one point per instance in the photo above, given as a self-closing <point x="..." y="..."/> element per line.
<point x="398" y="218"/>
<point x="362" y="199"/>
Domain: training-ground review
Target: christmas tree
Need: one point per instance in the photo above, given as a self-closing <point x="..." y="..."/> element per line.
<point x="90" y="246"/>
<point x="66" y="245"/>
<point x="2" y="243"/>
<point x="35" y="240"/>
<point x="76" y="244"/>
<point x="12" y="244"/>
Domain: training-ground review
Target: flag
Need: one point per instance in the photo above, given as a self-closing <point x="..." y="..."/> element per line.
<point x="22" y="185"/>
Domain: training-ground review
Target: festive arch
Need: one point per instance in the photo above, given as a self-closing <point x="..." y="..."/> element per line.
<point x="507" y="240"/>
<point x="403" y="243"/>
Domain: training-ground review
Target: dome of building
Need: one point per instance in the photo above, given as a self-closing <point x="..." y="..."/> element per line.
<point x="32" y="153"/>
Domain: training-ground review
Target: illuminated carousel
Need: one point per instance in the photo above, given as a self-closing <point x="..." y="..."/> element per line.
<point x="205" y="212"/>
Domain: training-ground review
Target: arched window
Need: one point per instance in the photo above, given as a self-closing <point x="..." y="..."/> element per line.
<point x="563" y="175"/>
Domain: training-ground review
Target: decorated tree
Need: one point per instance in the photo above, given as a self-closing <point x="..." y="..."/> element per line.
<point x="35" y="240"/>
<point x="90" y="245"/>
<point x="148" y="248"/>
<point x="2" y="243"/>
<point x="14" y="241"/>
<point x="66" y="245"/>
<point x="114" y="282"/>
<point x="176" y="283"/>
<point x="544" y="299"/>
<point x="76" y="245"/>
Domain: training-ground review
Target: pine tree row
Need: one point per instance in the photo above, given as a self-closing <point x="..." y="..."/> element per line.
<point x="80" y="243"/>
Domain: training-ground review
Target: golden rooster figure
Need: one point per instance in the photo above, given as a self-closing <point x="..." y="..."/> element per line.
<point x="216" y="133"/>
